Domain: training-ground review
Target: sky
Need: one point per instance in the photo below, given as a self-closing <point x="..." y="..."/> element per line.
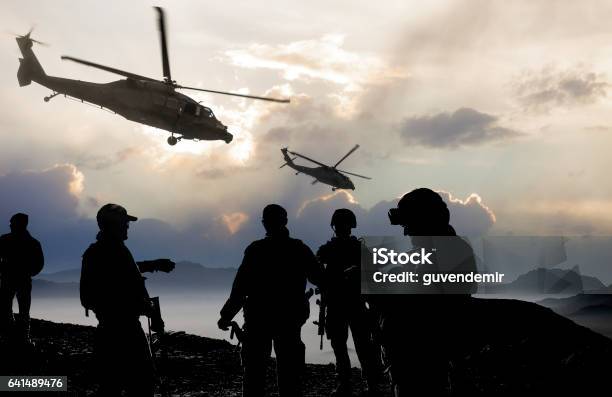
<point x="501" y="106"/>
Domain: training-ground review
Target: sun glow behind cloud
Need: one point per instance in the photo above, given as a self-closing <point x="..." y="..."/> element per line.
<point x="316" y="59"/>
<point x="347" y="196"/>
<point x="234" y="221"/>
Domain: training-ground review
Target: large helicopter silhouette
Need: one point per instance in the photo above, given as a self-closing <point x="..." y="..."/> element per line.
<point x="137" y="98"/>
<point x="330" y="175"/>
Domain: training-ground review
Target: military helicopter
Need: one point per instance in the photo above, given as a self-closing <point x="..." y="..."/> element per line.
<point x="137" y="98"/>
<point x="329" y="175"/>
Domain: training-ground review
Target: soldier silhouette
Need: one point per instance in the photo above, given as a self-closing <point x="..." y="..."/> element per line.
<point x="422" y="332"/>
<point x="21" y="258"/>
<point x="346" y="307"/>
<point x="112" y="286"/>
<point x="269" y="287"/>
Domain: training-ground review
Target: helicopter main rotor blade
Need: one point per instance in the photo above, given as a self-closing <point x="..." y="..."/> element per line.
<point x="346" y="155"/>
<point x="353" y="174"/>
<point x="161" y="25"/>
<point x="309" y="159"/>
<point x="108" y="69"/>
<point x="263" y="98"/>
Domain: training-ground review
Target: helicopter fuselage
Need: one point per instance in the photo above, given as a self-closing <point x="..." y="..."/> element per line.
<point x="148" y="102"/>
<point x="326" y="175"/>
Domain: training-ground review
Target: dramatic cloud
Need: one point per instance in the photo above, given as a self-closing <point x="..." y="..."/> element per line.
<point x="464" y="127"/>
<point x="103" y="162"/>
<point x="545" y="89"/>
<point x="319" y="59"/>
<point x="52" y="198"/>
<point x="470" y="217"/>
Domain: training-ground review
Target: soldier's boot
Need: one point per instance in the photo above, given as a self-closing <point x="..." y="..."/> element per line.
<point x="6" y="324"/>
<point x="373" y="389"/>
<point x="343" y="382"/>
<point x="343" y="389"/>
<point x="22" y="330"/>
<point x="6" y="329"/>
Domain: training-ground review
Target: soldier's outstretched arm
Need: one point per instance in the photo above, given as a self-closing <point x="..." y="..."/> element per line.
<point x="162" y="265"/>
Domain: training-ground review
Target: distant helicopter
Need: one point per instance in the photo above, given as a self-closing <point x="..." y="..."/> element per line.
<point x="137" y="98"/>
<point x="329" y="175"/>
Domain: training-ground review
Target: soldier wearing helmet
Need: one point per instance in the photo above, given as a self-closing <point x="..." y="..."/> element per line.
<point x="423" y="333"/>
<point x="112" y="286"/>
<point x="21" y="258"/>
<point x="346" y="308"/>
<point x="270" y="289"/>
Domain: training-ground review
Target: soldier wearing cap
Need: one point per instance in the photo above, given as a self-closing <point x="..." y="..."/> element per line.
<point x="269" y="287"/>
<point x="346" y="307"/>
<point x="21" y="258"/>
<point x="112" y="286"/>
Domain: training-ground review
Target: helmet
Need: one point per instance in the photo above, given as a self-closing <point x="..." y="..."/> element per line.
<point x="420" y="204"/>
<point x="344" y="216"/>
<point x="113" y="213"/>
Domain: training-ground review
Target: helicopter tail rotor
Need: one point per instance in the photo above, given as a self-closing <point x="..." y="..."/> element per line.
<point x="30" y="68"/>
<point x="26" y="37"/>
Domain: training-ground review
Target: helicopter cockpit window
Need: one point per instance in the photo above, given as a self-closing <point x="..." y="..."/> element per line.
<point x="190" y="108"/>
<point x="207" y="112"/>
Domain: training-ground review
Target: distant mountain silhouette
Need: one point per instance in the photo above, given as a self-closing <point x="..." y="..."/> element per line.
<point x="549" y="281"/>
<point x="573" y="304"/>
<point x="64" y="276"/>
<point x="50" y="289"/>
<point x="192" y="277"/>
<point x="187" y="277"/>
<point x="593" y="311"/>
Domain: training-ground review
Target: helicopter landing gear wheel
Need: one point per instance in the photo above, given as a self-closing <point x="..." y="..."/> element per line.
<point x="172" y="140"/>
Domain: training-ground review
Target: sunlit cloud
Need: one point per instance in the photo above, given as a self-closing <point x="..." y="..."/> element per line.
<point x="473" y="199"/>
<point x="341" y="194"/>
<point x="234" y="221"/>
<point x="317" y="59"/>
<point x="76" y="183"/>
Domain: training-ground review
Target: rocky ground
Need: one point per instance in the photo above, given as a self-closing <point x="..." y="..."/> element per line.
<point x="517" y="348"/>
<point x="198" y="366"/>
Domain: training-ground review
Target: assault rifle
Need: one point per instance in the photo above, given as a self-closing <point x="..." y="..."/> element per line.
<point x="320" y="323"/>
<point x="157" y="340"/>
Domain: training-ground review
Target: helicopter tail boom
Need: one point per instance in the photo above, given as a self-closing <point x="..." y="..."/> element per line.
<point x="287" y="158"/>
